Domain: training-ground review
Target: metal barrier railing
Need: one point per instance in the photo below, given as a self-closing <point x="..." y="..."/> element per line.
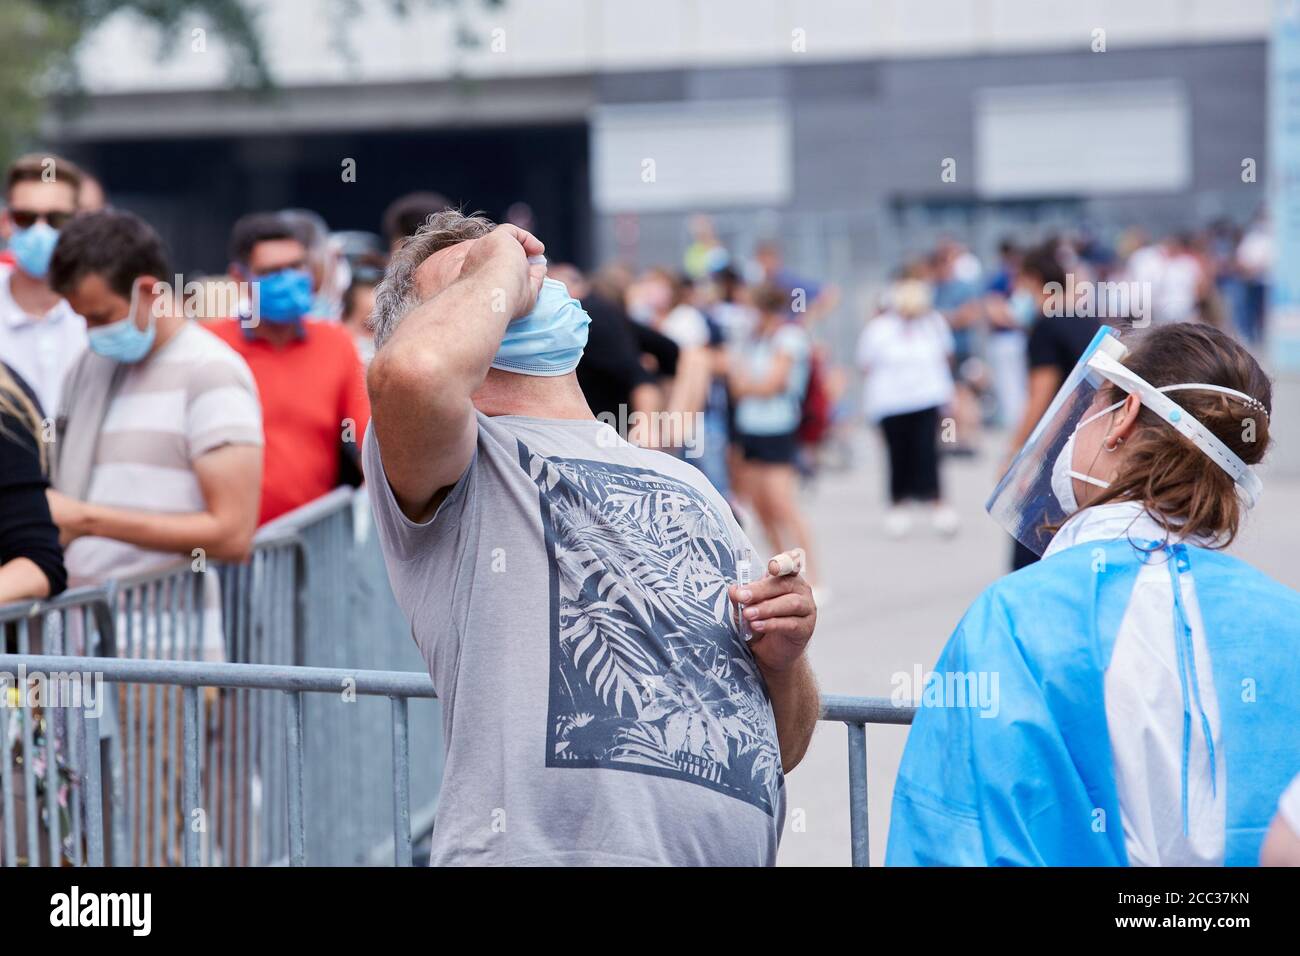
<point x="400" y="687"/>
<point x="47" y="752"/>
<point x="192" y="676"/>
<point x="314" y="592"/>
<point x="855" y="713"/>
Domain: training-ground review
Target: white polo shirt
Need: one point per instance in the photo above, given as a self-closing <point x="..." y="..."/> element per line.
<point x="40" y="348"/>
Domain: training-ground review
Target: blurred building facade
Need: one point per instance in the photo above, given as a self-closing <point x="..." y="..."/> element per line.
<point x="856" y="132"/>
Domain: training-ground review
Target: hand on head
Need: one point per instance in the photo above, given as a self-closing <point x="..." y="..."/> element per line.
<point x="501" y="257"/>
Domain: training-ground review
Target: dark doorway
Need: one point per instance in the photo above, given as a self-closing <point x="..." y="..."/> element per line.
<point x="192" y="190"/>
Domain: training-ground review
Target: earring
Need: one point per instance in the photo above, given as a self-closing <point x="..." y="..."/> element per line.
<point x="1119" y="440"/>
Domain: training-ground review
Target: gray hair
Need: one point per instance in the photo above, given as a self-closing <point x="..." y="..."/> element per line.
<point x="395" y="295"/>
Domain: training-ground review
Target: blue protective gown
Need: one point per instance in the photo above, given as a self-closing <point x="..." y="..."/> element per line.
<point x="1035" y="784"/>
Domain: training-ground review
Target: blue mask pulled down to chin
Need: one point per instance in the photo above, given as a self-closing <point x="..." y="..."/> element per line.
<point x="549" y="340"/>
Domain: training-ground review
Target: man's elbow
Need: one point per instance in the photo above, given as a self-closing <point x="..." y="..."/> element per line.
<point x="235" y="543"/>
<point x="792" y="754"/>
<point x="406" y="378"/>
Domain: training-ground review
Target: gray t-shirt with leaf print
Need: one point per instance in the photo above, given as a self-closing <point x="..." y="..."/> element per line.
<point x="599" y="705"/>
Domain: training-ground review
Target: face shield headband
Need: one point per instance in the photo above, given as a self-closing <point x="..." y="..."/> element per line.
<point x="1174" y="415"/>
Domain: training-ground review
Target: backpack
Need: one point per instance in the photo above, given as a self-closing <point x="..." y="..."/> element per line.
<point x="815" y="414"/>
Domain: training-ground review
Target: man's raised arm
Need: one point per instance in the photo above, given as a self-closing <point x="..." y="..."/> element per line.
<point x="422" y="378"/>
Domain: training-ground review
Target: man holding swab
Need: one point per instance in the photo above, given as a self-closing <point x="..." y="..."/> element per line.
<point x="574" y="596"/>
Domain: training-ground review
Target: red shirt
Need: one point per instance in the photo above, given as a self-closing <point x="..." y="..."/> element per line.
<point x="313" y="393"/>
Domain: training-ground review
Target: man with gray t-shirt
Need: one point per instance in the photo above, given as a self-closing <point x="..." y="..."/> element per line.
<point x="572" y="594"/>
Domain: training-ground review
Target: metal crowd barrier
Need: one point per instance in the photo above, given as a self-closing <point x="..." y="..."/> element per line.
<point x="50" y="754"/>
<point x="301" y="802"/>
<point x="350" y="619"/>
<point x="314" y="591"/>
<point x="855" y="713"/>
<point x="189" y="677"/>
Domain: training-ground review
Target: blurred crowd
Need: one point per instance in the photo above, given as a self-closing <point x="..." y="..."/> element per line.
<point x="145" y="415"/>
<point x="958" y="345"/>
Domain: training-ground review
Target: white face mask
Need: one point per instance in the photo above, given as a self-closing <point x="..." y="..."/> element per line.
<point x="1063" y="471"/>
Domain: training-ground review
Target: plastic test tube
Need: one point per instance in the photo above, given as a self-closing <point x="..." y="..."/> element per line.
<point x="744" y="574"/>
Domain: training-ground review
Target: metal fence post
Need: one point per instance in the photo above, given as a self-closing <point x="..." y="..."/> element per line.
<point x="94" y="790"/>
<point x="297" y="823"/>
<point x="401" y="785"/>
<point x="190" y="782"/>
<point x="858" y="793"/>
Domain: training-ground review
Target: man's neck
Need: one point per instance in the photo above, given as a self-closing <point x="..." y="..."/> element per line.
<point x="34" y="296"/>
<point x="165" y="329"/>
<point x="278" y="334"/>
<point x="506" y="393"/>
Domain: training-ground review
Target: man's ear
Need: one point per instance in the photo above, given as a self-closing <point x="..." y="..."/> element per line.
<point x="152" y="290"/>
<point x="6" y="225"/>
<point x="1126" y="417"/>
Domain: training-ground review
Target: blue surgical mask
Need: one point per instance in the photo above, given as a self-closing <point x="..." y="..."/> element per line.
<point x="32" y="248"/>
<point x="1023" y="308"/>
<point x="284" y="296"/>
<point x="124" y="341"/>
<point x="548" y="340"/>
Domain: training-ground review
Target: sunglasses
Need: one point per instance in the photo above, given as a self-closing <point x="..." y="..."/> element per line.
<point x="25" y="218"/>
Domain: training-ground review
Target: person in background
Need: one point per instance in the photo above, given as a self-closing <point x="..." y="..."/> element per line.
<point x="614" y="283"/>
<point x="813" y="300"/>
<point x="767" y="379"/>
<point x="906" y="355"/>
<point x="91" y="196"/>
<point x="955" y="277"/>
<point x="159" y="441"/>
<point x="660" y="301"/>
<point x="732" y="308"/>
<point x="1053" y="349"/>
<point x="1009" y="311"/>
<point x="31" y="561"/>
<point x="706" y="254"/>
<point x="611" y="375"/>
<point x="309" y="375"/>
<point x="40" y="334"/>
<point x="359" y="302"/>
<point x="406" y="214"/>
<point x="706" y="295"/>
<point x="1282" y="844"/>
<point x="1254" y="258"/>
<point x="622" y="367"/>
<point x="1183" y="281"/>
<point x="331" y="273"/>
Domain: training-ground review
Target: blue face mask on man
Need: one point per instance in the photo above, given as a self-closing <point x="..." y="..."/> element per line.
<point x="123" y="340"/>
<point x="549" y="340"/>
<point x="32" y="248"/>
<point x="284" y="296"/>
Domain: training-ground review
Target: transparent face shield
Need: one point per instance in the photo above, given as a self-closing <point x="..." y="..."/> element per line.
<point x="1062" y="456"/>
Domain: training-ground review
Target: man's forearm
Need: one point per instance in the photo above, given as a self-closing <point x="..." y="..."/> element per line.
<point x="160" y="531"/>
<point x="796" y="705"/>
